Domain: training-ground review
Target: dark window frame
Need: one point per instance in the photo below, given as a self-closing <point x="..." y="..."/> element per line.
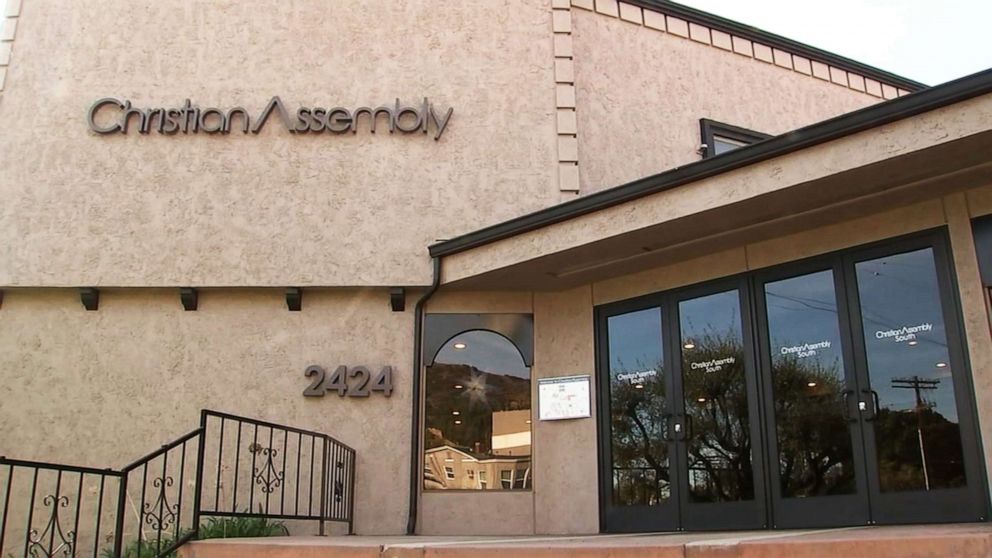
<point x="709" y="129"/>
<point x="441" y="329"/>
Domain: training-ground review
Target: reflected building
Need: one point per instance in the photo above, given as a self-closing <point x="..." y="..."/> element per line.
<point x="478" y="420"/>
<point x="507" y="467"/>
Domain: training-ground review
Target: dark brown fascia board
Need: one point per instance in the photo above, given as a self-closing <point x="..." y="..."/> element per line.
<point x="764" y="37"/>
<point x="844" y="125"/>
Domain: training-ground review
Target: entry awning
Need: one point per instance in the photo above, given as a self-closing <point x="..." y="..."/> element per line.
<point x="917" y="147"/>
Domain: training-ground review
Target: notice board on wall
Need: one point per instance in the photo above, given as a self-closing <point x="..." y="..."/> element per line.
<point x="567" y="397"/>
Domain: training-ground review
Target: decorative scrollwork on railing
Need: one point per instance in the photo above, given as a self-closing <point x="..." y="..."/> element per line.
<point x="66" y="541"/>
<point x="267" y="476"/>
<point x="160" y="514"/>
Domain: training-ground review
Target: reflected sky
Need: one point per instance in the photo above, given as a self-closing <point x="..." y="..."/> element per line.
<point x="486" y="351"/>
<point x="901" y="291"/>
<point x="635" y="341"/>
<point x="803" y="311"/>
<point x="716" y="314"/>
<point x="815" y="455"/>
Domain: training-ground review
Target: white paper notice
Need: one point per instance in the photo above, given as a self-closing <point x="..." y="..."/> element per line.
<point x="563" y="398"/>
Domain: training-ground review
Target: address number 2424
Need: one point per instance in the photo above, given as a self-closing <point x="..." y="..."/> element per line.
<point x="360" y="378"/>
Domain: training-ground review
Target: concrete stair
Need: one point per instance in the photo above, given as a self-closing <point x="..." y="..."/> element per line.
<point x="921" y="541"/>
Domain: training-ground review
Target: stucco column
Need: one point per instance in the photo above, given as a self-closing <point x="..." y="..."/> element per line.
<point x="974" y="313"/>
<point x="566" y="499"/>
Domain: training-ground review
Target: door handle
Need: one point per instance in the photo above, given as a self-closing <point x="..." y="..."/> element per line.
<point x="687" y="431"/>
<point x="666" y="433"/>
<point x="874" y="407"/>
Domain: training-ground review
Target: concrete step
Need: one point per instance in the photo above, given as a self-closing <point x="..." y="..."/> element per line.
<point x="920" y="541"/>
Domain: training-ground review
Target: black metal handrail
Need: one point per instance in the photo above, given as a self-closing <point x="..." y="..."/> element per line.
<point x="261" y="469"/>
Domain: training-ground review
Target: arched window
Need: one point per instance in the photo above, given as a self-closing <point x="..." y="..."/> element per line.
<point x="477" y="428"/>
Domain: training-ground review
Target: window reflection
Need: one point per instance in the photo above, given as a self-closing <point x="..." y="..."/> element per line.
<point x="723" y="145"/>
<point x="917" y="436"/>
<point x="814" y="445"/>
<point x="638" y="409"/>
<point x="478" y="423"/>
<point x="716" y="406"/>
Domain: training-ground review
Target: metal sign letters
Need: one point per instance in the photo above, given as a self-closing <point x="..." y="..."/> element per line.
<point x="113" y="116"/>
<point x="362" y="386"/>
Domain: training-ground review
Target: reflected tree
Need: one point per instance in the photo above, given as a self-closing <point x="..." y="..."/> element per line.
<point x="716" y="405"/>
<point x="814" y="444"/>
<point x="638" y="419"/>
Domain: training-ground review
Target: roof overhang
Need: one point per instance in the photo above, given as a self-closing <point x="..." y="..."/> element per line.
<point x="912" y="148"/>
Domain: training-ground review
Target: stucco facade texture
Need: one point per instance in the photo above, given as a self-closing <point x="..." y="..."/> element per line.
<point x="273" y="209"/>
<point x="348" y="216"/>
<point x="640" y="94"/>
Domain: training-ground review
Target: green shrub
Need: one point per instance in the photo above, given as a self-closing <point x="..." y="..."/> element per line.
<point x="241" y="527"/>
<point x="213" y="528"/>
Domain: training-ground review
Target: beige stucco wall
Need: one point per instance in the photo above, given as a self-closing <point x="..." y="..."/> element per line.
<point x="565" y="451"/>
<point x="640" y="94"/>
<point x="136" y="372"/>
<point x="274" y="209"/>
<point x="239" y="213"/>
<point x="104" y="388"/>
<point x="338" y="210"/>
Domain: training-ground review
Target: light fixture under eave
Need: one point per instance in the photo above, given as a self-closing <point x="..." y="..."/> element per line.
<point x="810" y="384"/>
<point x="639" y="386"/>
<point x="701" y="400"/>
<point x="941" y="364"/>
<point x="913" y="343"/>
<point x="689" y="345"/>
<point x="456" y="413"/>
<point x="459" y="386"/>
<point x="460" y="345"/>
<point x="458" y="422"/>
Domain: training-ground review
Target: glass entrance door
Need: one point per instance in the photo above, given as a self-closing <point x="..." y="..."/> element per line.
<point x="922" y="458"/>
<point x="814" y="438"/>
<point x="638" y="455"/>
<point x="829" y="392"/>
<point x="683" y="450"/>
<point x="719" y="447"/>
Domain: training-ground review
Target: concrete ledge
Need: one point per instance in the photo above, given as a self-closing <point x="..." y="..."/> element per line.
<point x="923" y="541"/>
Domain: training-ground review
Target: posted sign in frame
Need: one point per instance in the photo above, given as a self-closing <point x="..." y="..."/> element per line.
<point x="564" y="398"/>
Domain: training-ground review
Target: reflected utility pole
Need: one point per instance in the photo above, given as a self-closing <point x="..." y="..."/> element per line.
<point x="918" y="384"/>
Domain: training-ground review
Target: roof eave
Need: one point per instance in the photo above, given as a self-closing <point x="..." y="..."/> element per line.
<point x="846" y="124"/>
<point x="777" y="41"/>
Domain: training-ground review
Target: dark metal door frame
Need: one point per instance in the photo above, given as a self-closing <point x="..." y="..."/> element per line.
<point x="817" y="511"/>
<point x="868" y="505"/>
<point x="630" y="519"/>
<point x="967" y="503"/>
<point x="745" y="514"/>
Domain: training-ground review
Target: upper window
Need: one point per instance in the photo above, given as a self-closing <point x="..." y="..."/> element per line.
<point x="718" y="137"/>
<point x="477" y="413"/>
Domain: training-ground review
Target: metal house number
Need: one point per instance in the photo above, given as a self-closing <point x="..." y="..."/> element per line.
<point x="338" y="381"/>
